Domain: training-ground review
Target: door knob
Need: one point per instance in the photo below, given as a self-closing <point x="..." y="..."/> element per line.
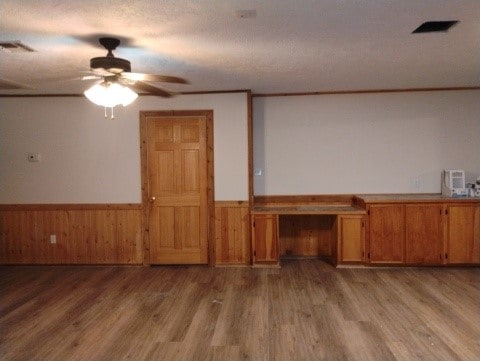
<point x="152" y="199"/>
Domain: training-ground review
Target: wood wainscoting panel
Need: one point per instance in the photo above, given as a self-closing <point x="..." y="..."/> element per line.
<point x="232" y="233"/>
<point x="306" y="235"/>
<point x="129" y="236"/>
<point x="94" y="235"/>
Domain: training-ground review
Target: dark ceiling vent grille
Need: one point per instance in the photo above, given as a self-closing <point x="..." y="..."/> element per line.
<point x="15" y="47"/>
<point x="435" y="26"/>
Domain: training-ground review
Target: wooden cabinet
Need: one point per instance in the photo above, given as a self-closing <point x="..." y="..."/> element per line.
<point x="463" y="234"/>
<point x="386" y="234"/>
<point x="424" y="233"/>
<point x="398" y="229"/>
<point x="265" y="239"/>
<point x="351" y="239"/>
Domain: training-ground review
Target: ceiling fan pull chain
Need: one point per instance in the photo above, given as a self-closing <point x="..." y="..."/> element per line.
<point x="105" y="112"/>
<point x="111" y="113"/>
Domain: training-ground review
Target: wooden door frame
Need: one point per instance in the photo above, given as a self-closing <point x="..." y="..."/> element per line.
<point x="208" y="114"/>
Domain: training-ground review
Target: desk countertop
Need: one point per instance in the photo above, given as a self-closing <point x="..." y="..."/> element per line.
<point x="358" y="205"/>
<point x="414" y="198"/>
<point x="310" y="209"/>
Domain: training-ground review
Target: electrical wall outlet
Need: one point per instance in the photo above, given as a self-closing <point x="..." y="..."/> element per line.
<point x="53" y="239"/>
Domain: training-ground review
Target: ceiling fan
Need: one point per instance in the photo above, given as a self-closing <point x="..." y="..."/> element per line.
<point x="116" y="78"/>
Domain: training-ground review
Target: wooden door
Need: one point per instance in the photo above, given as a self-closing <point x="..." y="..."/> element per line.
<point x="177" y="177"/>
<point x="423" y="233"/>
<point x="463" y="235"/>
<point x="386" y="234"/>
<point x="265" y="239"/>
<point x="351" y="238"/>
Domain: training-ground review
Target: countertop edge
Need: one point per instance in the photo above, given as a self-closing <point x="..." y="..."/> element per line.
<point x="413" y="198"/>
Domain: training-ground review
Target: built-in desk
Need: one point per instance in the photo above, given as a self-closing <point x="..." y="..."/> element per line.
<point x="383" y="229"/>
<point x="334" y="232"/>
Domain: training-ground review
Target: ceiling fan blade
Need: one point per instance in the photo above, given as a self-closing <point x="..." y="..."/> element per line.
<point x="154" y="78"/>
<point x="144" y="87"/>
<point x="101" y="72"/>
<point x="91" y="77"/>
<point x="75" y="78"/>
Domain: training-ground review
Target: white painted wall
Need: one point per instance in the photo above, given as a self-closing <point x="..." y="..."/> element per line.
<point x="86" y="158"/>
<point x="364" y="143"/>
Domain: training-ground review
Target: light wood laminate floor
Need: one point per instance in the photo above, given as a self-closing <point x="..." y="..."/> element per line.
<point x="307" y="310"/>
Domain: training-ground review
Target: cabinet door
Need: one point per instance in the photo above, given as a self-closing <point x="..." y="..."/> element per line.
<point x="463" y="234"/>
<point x="423" y="233"/>
<point x="386" y="233"/>
<point x="351" y="239"/>
<point x="265" y="239"/>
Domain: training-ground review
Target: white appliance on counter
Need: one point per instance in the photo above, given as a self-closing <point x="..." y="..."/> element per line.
<point x="476" y="188"/>
<point x="453" y="183"/>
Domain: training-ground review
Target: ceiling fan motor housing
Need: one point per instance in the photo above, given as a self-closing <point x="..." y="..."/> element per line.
<point x="116" y="72"/>
<point x="110" y="64"/>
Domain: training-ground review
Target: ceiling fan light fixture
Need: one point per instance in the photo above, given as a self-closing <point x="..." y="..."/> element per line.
<point x="109" y="94"/>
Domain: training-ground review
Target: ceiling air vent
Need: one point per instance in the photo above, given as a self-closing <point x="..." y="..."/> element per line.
<point x="246" y="14"/>
<point x="435" y="27"/>
<point x="15" y="47"/>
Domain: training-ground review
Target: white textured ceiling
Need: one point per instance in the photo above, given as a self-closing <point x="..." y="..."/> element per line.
<point x="290" y="46"/>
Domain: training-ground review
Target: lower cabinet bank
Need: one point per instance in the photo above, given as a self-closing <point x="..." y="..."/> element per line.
<point x="382" y="230"/>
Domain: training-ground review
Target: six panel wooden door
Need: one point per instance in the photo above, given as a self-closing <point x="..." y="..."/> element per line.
<point x="177" y="181"/>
